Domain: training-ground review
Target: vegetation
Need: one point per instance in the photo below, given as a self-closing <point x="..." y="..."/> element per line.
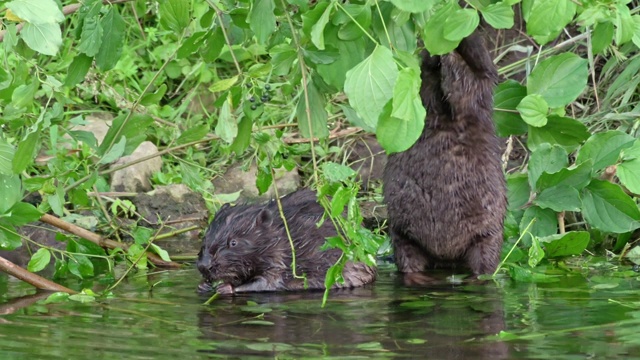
<point x="219" y="81"/>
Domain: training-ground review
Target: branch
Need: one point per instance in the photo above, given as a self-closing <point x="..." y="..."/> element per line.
<point x="31" y="278"/>
<point x="100" y="241"/>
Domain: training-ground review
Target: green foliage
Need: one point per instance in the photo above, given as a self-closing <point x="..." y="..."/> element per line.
<point x="244" y="75"/>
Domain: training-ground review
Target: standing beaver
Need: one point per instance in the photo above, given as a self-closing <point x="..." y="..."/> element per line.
<point x="246" y="246"/>
<point x="446" y="194"/>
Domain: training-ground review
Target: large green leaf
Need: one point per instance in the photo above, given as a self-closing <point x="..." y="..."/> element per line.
<point x="43" y="38"/>
<point x="10" y="192"/>
<point x="548" y="158"/>
<point x="78" y="69"/>
<point x="26" y="152"/>
<point x="36" y="11"/>
<point x="39" y="260"/>
<point x="606" y="207"/>
<point x="629" y="170"/>
<point x="545" y="223"/>
<point x="559" y="198"/>
<point x="604" y="148"/>
<point x="499" y="15"/>
<point x="568" y="244"/>
<point x="262" y="20"/>
<point x="91" y="37"/>
<point x="316" y="115"/>
<point x="397" y="135"/>
<point x="518" y="191"/>
<point x="560" y="79"/>
<point x="23" y="213"/>
<point x="174" y="14"/>
<point x="507" y="96"/>
<point x="414" y="6"/>
<point x="462" y="24"/>
<point x="9" y="238"/>
<point x="317" y="30"/>
<point x="576" y="177"/>
<point x="7" y="152"/>
<point x="566" y="132"/>
<point x="227" y="125"/>
<point x="533" y="110"/>
<point x="547" y="18"/>
<point x="369" y="85"/>
<point x="113" y="27"/>
<point x="433" y="31"/>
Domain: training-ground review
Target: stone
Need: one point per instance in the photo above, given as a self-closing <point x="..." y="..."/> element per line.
<point x="235" y="179"/>
<point x="135" y="178"/>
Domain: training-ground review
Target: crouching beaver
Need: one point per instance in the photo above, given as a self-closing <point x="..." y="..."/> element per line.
<point x="247" y="248"/>
<point x="445" y="195"/>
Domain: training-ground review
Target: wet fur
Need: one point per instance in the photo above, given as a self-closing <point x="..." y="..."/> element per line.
<point x="446" y="194"/>
<point x="261" y="258"/>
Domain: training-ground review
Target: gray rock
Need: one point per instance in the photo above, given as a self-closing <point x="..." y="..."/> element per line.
<point x="98" y="124"/>
<point x="235" y="180"/>
<point x="135" y="178"/>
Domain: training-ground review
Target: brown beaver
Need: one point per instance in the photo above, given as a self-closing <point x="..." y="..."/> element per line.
<point x="446" y="195"/>
<point x="247" y="248"/>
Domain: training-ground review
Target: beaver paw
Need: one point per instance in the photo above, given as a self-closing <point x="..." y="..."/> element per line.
<point x="204" y="287"/>
<point x="224" y="289"/>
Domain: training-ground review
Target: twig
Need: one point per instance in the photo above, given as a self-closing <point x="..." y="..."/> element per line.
<point x="100" y="241"/>
<point x="31" y="278"/>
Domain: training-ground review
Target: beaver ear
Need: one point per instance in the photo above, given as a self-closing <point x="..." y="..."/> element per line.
<point x="264" y="217"/>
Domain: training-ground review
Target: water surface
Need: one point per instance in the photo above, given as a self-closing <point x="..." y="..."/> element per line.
<point x="160" y="315"/>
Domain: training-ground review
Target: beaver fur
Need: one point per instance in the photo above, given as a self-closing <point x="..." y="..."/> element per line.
<point x="247" y="248"/>
<point x="446" y="195"/>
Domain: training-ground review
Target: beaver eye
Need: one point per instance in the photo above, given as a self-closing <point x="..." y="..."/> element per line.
<point x="233" y="243"/>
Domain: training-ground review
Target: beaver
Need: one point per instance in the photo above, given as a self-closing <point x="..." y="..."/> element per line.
<point x="247" y="248"/>
<point x="446" y="195"/>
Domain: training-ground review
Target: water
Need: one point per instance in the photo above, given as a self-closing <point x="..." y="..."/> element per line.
<point x="158" y="316"/>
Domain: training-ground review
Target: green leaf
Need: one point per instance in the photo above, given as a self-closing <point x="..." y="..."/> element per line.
<point x="507" y="96"/>
<point x="134" y="130"/>
<point x="414" y="6"/>
<point x="461" y="24"/>
<point x="91" y="37"/>
<point x="534" y="110"/>
<point x="224" y="84"/>
<point x="80" y="266"/>
<point x="242" y="141"/>
<point x="602" y="37"/>
<point x="7" y="152"/>
<point x="566" y="132"/>
<point x="26" y="152"/>
<point x="23" y="213"/>
<point x="548" y="17"/>
<point x="23" y="95"/>
<point x="116" y="151"/>
<point x="78" y="70"/>
<point x="518" y="191"/>
<point x="226" y="127"/>
<point x="568" y="244"/>
<point x="576" y="177"/>
<point x="433" y="31"/>
<point x="36" y="11"/>
<point x="546" y="223"/>
<point x="335" y="172"/>
<point x="10" y="192"/>
<point x="629" y="170"/>
<point x="406" y="103"/>
<point x="499" y="15"/>
<point x="606" y="207"/>
<point x="154" y="98"/>
<point x="39" y="260"/>
<point x="559" y="198"/>
<point x="604" y="148"/>
<point x="395" y="134"/>
<point x="625" y="24"/>
<point x="560" y="79"/>
<point x="193" y="134"/>
<point x="174" y="15"/>
<point x="9" y="238"/>
<point x="536" y="253"/>
<point x="549" y="158"/>
<point x="263" y="180"/>
<point x="43" y="38"/>
<point x="113" y="26"/>
<point x="164" y="255"/>
<point x="262" y="20"/>
<point x="369" y="85"/>
<point x="317" y="30"/>
<point x="316" y="116"/>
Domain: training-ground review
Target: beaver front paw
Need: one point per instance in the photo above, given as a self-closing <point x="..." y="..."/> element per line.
<point x="224" y="288"/>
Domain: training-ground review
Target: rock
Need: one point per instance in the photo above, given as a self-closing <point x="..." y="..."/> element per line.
<point x="98" y="124"/>
<point x="135" y="178"/>
<point x="178" y="207"/>
<point x="235" y="180"/>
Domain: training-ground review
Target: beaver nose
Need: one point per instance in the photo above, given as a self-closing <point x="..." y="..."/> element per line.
<point x="205" y="263"/>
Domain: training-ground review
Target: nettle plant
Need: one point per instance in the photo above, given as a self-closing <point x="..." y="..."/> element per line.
<point x="274" y="64"/>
